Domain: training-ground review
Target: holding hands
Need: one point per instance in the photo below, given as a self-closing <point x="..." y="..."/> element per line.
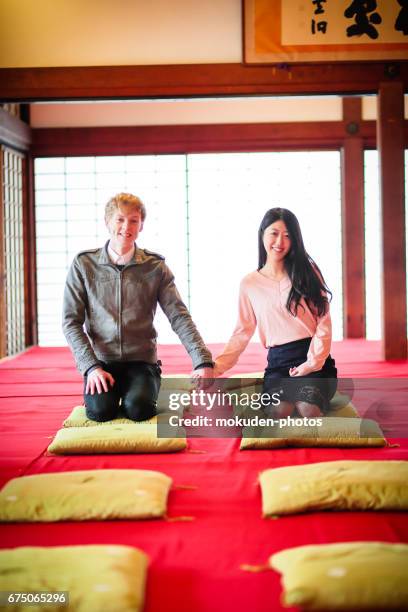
<point x="203" y="378"/>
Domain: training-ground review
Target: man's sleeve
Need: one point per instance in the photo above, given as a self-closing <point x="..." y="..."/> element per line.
<point x="73" y="318"/>
<point x="180" y="319"/>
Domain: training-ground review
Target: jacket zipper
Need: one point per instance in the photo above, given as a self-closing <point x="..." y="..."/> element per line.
<point x="120" y="312"/>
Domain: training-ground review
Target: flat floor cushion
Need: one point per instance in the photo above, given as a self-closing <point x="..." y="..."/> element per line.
<point x="332" y="432"/>
<point x="335" y="485"/>
<point x="78" y="418"/>
<point x="85" y="495"/>
<point x="108" y="578"/>
<point x="115" y="438"/>
<point x="346" y="576"/>
<point x="340" y="405"/>
<point x="170" y="384"/>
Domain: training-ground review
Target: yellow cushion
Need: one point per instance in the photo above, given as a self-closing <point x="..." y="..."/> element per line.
<point x="102" y="577"/>
<point x="333" y="432"/>
<point x="340" y="405"/>
<point x="173" y="383"/>
<point x="114" y="438"/>
<point x="78" y="418"/>
<point x="347" y="576"/>
<point x="335" y="485"/>
<point x="85" y="495"/>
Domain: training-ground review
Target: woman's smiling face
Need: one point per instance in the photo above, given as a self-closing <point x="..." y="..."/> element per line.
<point x="276" y="241"/>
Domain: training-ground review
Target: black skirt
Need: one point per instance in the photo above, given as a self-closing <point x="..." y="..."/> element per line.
<point x="316" y="387"/>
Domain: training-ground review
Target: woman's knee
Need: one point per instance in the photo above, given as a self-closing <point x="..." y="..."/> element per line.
<point x="281" y="411"/>
<point x="311" y="400"/>
<point x="308" y="410"/>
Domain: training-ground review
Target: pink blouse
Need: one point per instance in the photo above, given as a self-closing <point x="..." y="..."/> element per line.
<point x="262" y="303"/>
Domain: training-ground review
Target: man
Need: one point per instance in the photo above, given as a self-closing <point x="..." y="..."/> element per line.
<point x="114" y="290"/>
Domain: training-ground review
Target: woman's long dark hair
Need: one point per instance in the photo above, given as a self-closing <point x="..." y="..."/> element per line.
<point x="307" y="280"/>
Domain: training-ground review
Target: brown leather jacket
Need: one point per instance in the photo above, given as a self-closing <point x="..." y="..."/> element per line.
<point x="118" y="307"/>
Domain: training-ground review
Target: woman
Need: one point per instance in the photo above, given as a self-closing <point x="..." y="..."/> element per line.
<point x="287" y="299"/>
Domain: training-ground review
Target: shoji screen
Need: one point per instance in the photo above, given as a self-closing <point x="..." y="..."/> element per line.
<point x="70" y="197"/>
<point x="203" y="213"/>
<point x="13" y="249"/>
<point x="228" y="196"/>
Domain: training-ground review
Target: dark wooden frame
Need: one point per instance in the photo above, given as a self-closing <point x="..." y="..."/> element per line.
<point x="135" y="140"/>
<point x="195" y="80"/>
<point x="391" y="146"/>
<point x="306" y="53"/>
<point x="3" y="309"/>
<point x="353" y="238"/>
<point x="30" y="254"/>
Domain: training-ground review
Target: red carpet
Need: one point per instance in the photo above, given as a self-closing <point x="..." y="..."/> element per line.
<point x="195" y="566"/>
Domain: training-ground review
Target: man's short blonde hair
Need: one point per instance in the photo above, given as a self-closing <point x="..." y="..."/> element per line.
<point x="124" y="201"/>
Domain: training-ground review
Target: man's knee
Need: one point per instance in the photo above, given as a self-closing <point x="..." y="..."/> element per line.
<point x="139" y="407"/>
<point x="101" y="409"/>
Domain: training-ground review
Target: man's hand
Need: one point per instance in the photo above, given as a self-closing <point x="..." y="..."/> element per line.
<point x="98" y="379"/>
<point x="202" y="378"/>
<point x="301" y="370"/>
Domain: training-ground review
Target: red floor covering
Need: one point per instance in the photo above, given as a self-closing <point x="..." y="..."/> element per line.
<point x="195" y="565"/>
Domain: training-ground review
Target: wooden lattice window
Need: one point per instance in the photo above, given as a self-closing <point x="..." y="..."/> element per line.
<point x="208" y="203"/>
<point x="13" y="251"/>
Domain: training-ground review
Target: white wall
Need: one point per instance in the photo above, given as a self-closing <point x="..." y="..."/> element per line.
<point x="187" y="112"/>
<point x="35" y="33"/>
<point x="369" y="110"/>
<point x="265" y="109"/>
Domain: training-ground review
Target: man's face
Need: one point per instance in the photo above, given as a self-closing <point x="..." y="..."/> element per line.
<point x="124" y="227"/>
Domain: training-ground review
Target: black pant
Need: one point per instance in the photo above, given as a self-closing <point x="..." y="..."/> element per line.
<point x="137" y="386"/>
<point x="282" y="358"/>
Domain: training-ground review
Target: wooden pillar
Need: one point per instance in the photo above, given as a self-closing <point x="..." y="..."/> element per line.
<point x="30" y="257"/>
<point x="352" y="195"/>
<point x="3" y="311"/>
<point x="390" y="142"/>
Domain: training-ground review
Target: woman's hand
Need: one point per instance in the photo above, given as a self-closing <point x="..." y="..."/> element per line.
<point x="202" y="378"/>
<point x="301" y="370"/>
<point x="98" y="379"/>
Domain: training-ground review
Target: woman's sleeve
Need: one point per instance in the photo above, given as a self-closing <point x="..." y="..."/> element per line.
<point x="243" y="332"/>
<point x="320" y="344"/>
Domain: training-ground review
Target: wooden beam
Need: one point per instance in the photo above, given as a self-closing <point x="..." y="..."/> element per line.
<point x="352" y="172"/>
<point x="192" y="80"/>
<point x="14" y="132"/>
<point x="392" y="205"/>
<point x="133" y="140"/>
